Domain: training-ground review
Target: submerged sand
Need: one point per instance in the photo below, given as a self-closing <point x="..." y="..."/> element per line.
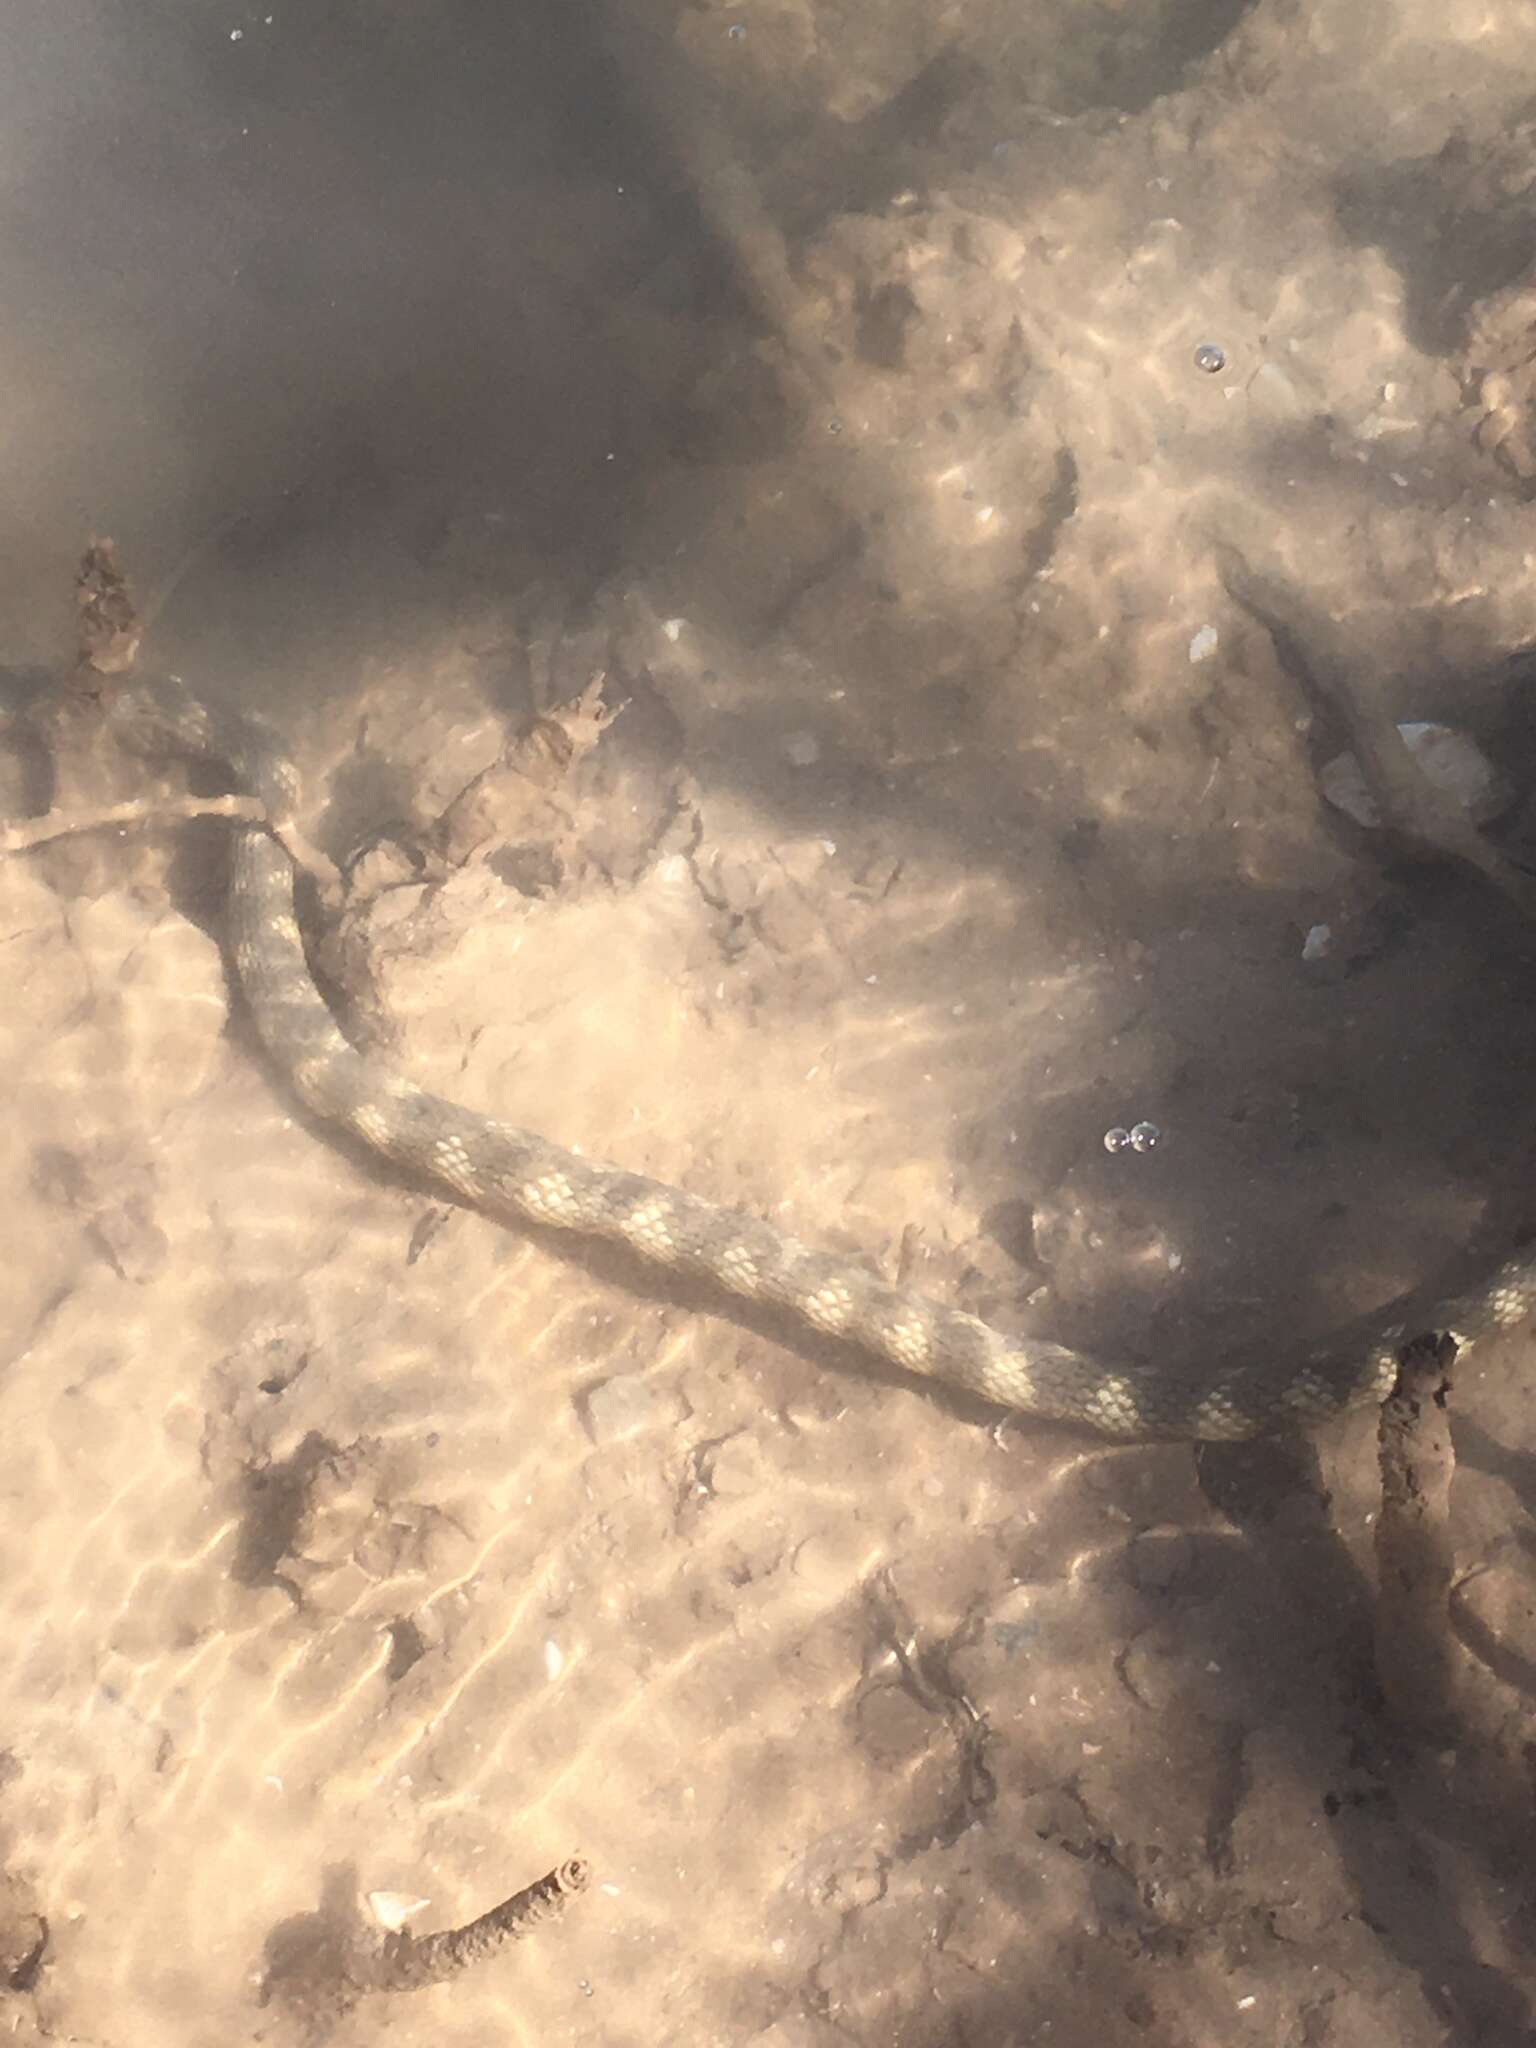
<point x="360" y="1552"/>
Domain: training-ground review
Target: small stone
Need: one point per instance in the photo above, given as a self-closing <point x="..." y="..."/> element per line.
<point x="736" y="1468"/>
<point x="1454" y="764"/>
<point x="1457" y="767"/>
<point x="848" y="1891"/>
<point x="629" y="1402"/>
<point x="1317" y="942"/>
<point x="1203" y="645"/>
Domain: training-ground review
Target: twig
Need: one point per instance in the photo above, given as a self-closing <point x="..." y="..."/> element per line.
<point x="408" y="1963"/>
<point x="138" y="810"/>
<point x="321" y="1965"/>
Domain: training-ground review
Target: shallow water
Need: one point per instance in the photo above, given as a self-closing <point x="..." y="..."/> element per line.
<point x="836" y="388"/>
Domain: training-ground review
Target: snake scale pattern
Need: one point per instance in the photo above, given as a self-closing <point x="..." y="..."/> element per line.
<point x="519" y="1176"/>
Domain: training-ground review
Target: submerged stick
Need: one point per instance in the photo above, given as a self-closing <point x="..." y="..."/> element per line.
<point x="111" y="626"/>
<point x="29" y="832"/>
<point x="323" y="1965"/>
<point x="409" y="1963"/>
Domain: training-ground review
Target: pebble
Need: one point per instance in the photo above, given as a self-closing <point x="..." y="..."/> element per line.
<point x="1447" y="759"/>
<point x="736" y="1468"/>
<point x="631" y="1401"/>
<point x="1203" y="645"/>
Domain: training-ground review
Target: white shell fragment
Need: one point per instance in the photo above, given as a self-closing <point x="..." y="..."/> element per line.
<point x="393" y="1909"/>
<point x="1455" y="765"/>
<point x="1204" y="644"/>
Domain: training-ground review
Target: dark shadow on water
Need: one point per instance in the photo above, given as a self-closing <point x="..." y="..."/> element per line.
<point x="1456" y="225"/>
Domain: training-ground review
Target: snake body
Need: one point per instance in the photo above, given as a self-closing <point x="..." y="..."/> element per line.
<point x="517" y="1175"/>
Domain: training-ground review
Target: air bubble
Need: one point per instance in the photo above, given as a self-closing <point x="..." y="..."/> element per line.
<point x="1210" y="357"/>
<point x="1141" y="1137"/>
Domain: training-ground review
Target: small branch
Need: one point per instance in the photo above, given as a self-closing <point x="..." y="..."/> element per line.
<point x="139" y="810"/>
<point x="408" y="1963"/>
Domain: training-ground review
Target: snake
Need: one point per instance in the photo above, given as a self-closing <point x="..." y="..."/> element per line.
<point x="520" y="1177"/>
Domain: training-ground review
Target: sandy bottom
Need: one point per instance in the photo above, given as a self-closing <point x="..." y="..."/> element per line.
<point x="362" y="1556"/>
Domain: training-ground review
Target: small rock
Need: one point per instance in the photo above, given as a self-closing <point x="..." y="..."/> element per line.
<point x="1459" y="767"/>
<point x="849" y="1890"/>
<point x="1204" y="644"/>
<point x="736" y="1467"/>
<point x="1455" y="765"/>
<point x="617" y="1408"/>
